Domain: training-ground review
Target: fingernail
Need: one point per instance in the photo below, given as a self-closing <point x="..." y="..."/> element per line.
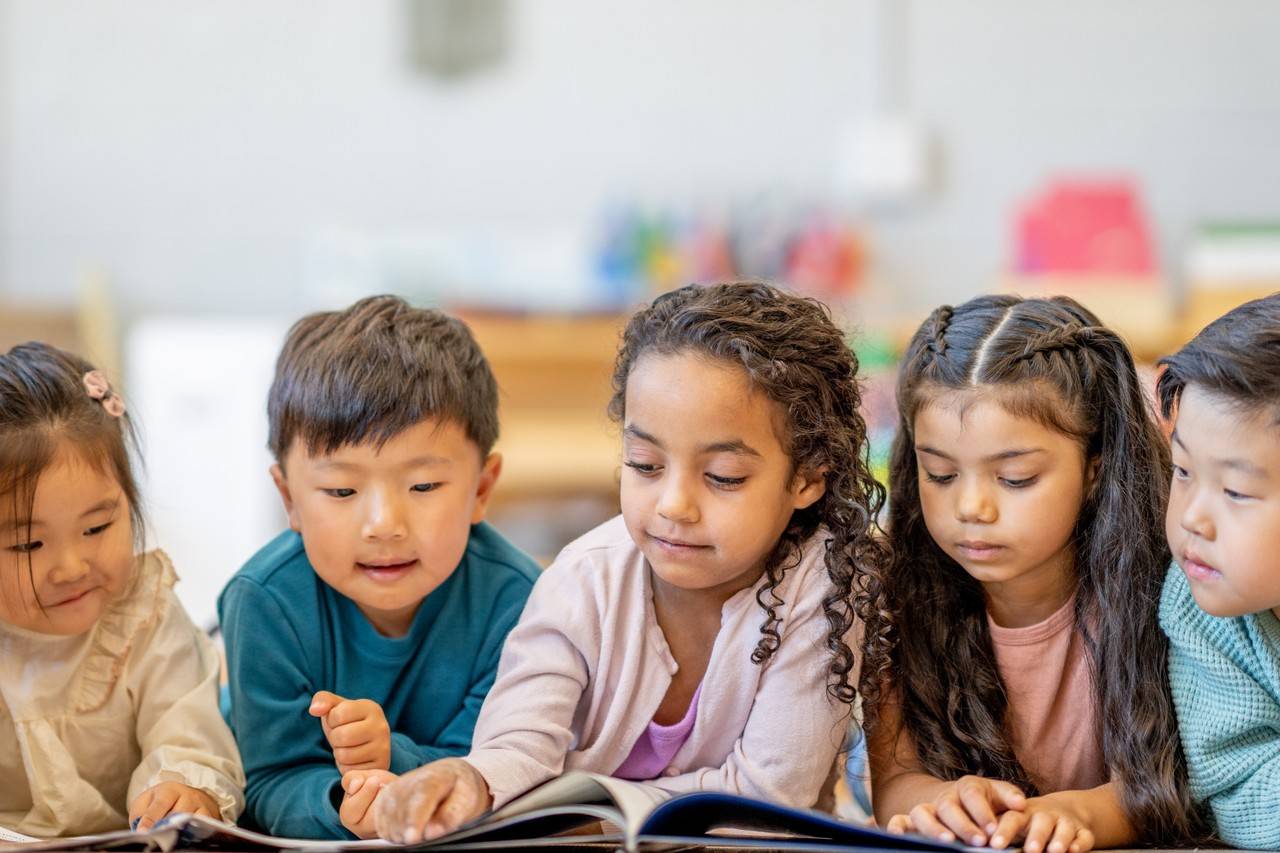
<point x="991" y="827"/>
<point x="947" y="836"/>
<point x="411" y="836"/>
<point x="977" y="841"/>
<point x="997" y="841"/>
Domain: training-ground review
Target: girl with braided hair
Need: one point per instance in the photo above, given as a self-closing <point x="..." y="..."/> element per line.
<point x="1020" y="671"/>
<point x="705" y="639"/>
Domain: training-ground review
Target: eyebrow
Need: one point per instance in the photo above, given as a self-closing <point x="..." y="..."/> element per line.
<point x="416" y="462"/>
<point x="735" y="445"/>
<point x="1014" y="453"/>
<point x="100" y="506"/>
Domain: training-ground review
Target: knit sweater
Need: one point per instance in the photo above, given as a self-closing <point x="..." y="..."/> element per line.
<point x="1225" y="677"/>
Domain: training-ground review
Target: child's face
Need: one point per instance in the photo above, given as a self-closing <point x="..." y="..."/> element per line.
<point x="1000" y="495"/>
<point x="1223" y="521"/>
<point x="707" y="487"/>
<point x="80" y="549"/>
<point x="385" y="527"/>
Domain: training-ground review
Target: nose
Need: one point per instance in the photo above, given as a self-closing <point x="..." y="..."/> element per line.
<point x="974" y="503"/>
<point x="385" y="518"/>
<point x="1195" y="517"/>
<point x="69" y="566"/>
<point x="676" y="502"/>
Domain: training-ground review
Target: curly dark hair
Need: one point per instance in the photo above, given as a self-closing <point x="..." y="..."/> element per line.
<point x="793" y="353"/>
<point x="1051" y="360"/>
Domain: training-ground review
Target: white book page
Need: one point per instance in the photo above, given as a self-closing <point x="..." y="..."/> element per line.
<point x="9" y="836"/>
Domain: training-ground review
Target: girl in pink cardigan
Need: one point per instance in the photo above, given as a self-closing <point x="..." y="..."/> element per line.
<point x="703" y="640"/>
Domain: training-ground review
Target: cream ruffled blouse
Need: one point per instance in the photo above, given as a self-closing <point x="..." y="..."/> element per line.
<point x="87" y="723"/>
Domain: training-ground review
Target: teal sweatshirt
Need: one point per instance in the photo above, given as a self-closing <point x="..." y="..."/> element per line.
<point x="289" y="634"/>
<point x="1225" y="677"/>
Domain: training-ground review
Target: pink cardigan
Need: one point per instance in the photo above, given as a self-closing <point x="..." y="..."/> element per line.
<point x="584" y="671"/>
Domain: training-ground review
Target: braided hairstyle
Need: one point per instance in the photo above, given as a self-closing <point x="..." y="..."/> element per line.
<point x="1052" y="361"/>
<point x="796" y="356"/>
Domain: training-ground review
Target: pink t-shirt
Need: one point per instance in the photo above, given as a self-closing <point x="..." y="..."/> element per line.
<point x="657" y="745"/>
<point x="1052" y="712"/>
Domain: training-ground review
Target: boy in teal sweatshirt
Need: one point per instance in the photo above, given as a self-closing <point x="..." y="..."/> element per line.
<point x="1221" y="601"/>
<point x="367" y="636"/>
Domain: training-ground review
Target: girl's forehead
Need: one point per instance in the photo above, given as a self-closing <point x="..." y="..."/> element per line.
<point x="686" y="398"/>
<point x="979" y="417"/>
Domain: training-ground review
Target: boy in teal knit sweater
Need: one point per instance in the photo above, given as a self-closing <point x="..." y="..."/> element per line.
<point x="1222" y="599"/>
<point x="367" y="636"/>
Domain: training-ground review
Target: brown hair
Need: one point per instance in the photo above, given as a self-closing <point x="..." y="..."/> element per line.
<point x="45" y="406"/>
<point x="372" y="371"/>
<point x="1051" y="360"/>
<point x="1236" y="357"/>
<point x="794" y="354"/>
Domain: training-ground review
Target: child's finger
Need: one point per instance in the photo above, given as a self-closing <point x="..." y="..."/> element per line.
<point x="1039" y="829"/>
<point x="1083" y="842"/>
<point x="1008" y="794"/>
<point x="926" y="822"/>
<point x="140" y="804"/>
<point x="323" y="702"/>
<point x="462" y="804"/>
<point x="1063" y="834"/>
<point x="899" y="824"/>
<point x="402" y="812"/>
<point x="953" y="814"/>
<point x="352" y="711"/>
<point x="356" y="806"/>
<point x="1008" y="828"/>
<point x="976" y="799"/>
<point x="161" y="804"/>
<point x="350" y="734"/>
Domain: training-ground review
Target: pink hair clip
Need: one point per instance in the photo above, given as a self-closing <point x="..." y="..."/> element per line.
<point x="96" y="385"/>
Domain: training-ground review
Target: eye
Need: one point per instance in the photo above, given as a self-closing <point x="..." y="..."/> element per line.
<point x="645" y="469"/>
<point x="1018" y="484"/>
<point x="940" y="479"/>
<point x="94" y="531"/>
<point x="726" y="482"/>
<point x="1237" y="496"/>
<point x="1180" y="473"/>
<point x="424" y="487"/>
<point x="339" y="493"/>
<point x="26" y="547"/>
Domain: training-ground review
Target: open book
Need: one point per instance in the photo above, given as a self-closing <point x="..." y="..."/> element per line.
<point x="646" y="818"/>
<point x="636" y="818"/>
<point x="178" y="832"/>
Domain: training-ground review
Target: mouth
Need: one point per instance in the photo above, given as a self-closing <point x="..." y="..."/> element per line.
<point x="73" y="599"/>
<point x="676" y="546"/>
<point x="1197" y="569"/>
<point x="978" y="550"/>
<point x="387" y="570"/>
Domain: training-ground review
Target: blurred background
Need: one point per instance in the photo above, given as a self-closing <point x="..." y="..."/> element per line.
<point x="181" y="180"/>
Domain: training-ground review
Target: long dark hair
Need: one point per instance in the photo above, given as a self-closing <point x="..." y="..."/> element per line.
<point x="1051" y="360"/>
<point x="794" y="354"/>
<point x="43" y="405"/>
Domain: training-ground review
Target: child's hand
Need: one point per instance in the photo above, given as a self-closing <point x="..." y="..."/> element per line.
<point x="356" y="729"/>
<point x="431" y="801"/>
<point x="360" y="791"/>
<point x="1046" y="825"/>
<point x="965" y="810"/>
<point x="170" y="798"/>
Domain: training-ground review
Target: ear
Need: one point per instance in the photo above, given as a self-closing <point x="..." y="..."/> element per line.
<point x="807" y="486"/>
<point x="490" y="470"/>
<point x="282" y="486"/>
<point x="1091" y="475"/>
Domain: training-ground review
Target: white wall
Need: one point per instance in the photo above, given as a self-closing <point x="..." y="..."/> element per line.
<point x="196" y="150"/>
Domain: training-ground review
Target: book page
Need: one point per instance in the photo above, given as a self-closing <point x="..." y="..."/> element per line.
<point x="8" y="836"/>
<point x="631" y="801"/>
